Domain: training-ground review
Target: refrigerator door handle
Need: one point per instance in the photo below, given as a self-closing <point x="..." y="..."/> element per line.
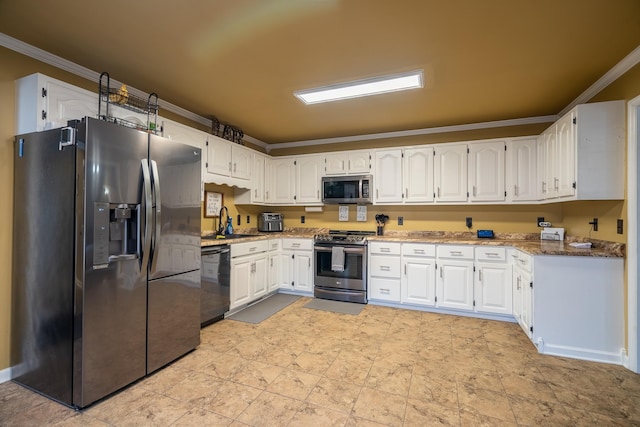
<point x="158" y="212"/>
<point x="148" y="215"/>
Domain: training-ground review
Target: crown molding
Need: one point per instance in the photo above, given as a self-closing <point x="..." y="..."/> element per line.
<point x="417" y="132"/>
<point x="80" y="71"/>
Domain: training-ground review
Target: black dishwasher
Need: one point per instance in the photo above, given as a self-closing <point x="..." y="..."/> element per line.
<point x="216" y="266"/>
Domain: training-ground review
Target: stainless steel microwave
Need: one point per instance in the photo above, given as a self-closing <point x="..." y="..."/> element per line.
<point x="347" y="189"/>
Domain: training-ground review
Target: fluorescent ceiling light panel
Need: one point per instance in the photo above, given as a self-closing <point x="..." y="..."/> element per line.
<point x="358" y="88"/>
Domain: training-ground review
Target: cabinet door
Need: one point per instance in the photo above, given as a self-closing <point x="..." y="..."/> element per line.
<point x="258" y="179"/>
<point x="359" y="162"/>
<point x="273" y="271"/>
<point x="240" y="281"/>
<point x="218" y="156"/>
<point x="388" y="180"/>
<point x="541" y="168"/>
<point x="283" y="180"/>
<point x="242" y="160"/>
<point x="486" y="171"/>
<point x="308" y="179"/>
<point x="450" y="177"/>
<point x="335" y="163"/>
<point x="517" y="295"/>
<point x="286" y="270"/>
<point x="492" y="288"/>
<point x="303" y="272"/>
<point x="455" y="284"/>
<point x="418" y="175"/>
<point x="183" y="134"/>
<point x="566" y="156"/>
<point x="521" y="170"/>
<point x="259" y="279"/>
<point x="526" y="314"/>
<point x="418" y="281"/>
<point x="65" y="102"/>
<point x="549" y="183"/>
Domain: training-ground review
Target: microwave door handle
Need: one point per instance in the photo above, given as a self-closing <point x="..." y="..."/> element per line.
<point x="148" y="214"/>
<point x="158" y="212"/>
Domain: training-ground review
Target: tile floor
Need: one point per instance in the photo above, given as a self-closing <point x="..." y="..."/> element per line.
<point x="386" y="366"/>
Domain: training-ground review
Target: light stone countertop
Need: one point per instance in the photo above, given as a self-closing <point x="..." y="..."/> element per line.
<point x="527" y="242"/>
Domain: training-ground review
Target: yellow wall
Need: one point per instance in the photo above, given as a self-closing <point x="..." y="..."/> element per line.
<point x="573" y="216"/>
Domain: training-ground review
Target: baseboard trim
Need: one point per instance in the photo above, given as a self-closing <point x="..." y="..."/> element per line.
<point x="5" y="375"/>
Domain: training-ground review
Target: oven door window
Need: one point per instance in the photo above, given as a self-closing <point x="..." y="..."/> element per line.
<point x="352" y="264"/>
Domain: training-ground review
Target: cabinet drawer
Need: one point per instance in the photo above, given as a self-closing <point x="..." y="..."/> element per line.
<point x="491" y="254"/>
<point x="275" y="244"/>
<point x="384" y="289"/>
<point x="521" y="260"/>
<point x="385" y="266"/>
<point x="297" y="244"/>
<point x="384" y="248"/>
<point x="248" y="248"/>
<point x="455" y="252"/>
<point x="418" y="249"/>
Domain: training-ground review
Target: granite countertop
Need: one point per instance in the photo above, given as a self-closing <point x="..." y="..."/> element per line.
<point x="527" y="242"/>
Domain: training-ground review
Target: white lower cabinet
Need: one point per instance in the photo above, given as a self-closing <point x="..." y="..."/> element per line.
<point x="492" y="281"/>
<point x="522" y="283"/>
<point x="418" y="281"/>
<point x="248" y="272"/>
<point x="297" y="265"/>
<point x="454" y="281"/>
<point x="274" y="255"/>
<point x="384" y="271"/>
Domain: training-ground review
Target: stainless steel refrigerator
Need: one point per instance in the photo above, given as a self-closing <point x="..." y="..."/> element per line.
<point x="106" y="258"/>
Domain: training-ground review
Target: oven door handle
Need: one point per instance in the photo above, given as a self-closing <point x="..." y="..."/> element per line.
<point x="346" y="250"/>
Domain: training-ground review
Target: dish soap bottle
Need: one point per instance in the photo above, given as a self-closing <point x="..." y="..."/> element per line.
<point x="229" y="229"/>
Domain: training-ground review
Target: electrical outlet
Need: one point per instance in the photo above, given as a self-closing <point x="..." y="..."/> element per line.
<point x="540" y="219"/>
<point x="302" y="219"/>
<point x="594" y="224"/>
<point x="400" y="220"/>
<point x="248" y="219"/>
<point x="620" y="226"/>
<point x="469" y="222"/>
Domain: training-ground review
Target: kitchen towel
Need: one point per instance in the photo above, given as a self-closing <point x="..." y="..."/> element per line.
<point x="337" y="258"/>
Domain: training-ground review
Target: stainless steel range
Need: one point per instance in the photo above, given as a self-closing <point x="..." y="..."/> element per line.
<point x="341" y="265"/>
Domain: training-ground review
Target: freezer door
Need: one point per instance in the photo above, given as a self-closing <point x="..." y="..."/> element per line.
<point x="111" y="299"/>
<point x="176" y="175"/>
<point x="43" y="256"/>
<point x="174" y="318"/>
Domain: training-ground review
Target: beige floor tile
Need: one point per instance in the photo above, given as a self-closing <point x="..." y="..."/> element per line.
<point x="420" y="413"/>
<point x="527" y="383"/>
<point x="313" y="415"/>
<point x="194" y="388"/>
<point x="381" y="407"/>
<point x="159" y="411"/>
<point x="270" y="409"/>
<point x="230" y="399"/>
<point x="202" y="417"/>
<point x="539" y="413"/>
<point x="257" y="374"/>
<point x="47" y="412"/>
<point x="77" y="420"/>
<point x="362" y="422"/>
<point x="225" y="366"/>
<point x="351" y="367"/>
<point x="294" y="384"/>
<point x="336" y="395"/>
<point x="313" y="363"/>
<point x="581" y="417"/>
<point x="474" y="419"/>
<point x="434" y="390"/>
<point x="390" y="376"/>
<point x="479" y="378"/>
<point x="164" y="379"/>
<point x="485" y="402"/>
<point x="120" y="405"/>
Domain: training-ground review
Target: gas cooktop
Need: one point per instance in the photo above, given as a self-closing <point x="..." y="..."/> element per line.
<point x="344" y="237"/>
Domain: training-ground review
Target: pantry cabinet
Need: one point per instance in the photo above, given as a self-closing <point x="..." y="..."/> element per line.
<point x="450" y="168"/>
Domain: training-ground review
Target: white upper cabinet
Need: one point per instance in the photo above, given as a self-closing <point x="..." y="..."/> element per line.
<point x="219" y="156"/>
<point x="347" y="162"/>
<point x="388" y="176"/>
<point x="486" y="171"/>
<point x="45" y="103"/>
<point x="418" y="175"/>
<point x="283" y="181"/>
<point x="308" y="179"/>
<point x="228" y="163"/>
<point x="258" y="178"/>
<point x="521" y="170"/>
<point x="583" y="154"/>
<point x="450" y="179"/>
